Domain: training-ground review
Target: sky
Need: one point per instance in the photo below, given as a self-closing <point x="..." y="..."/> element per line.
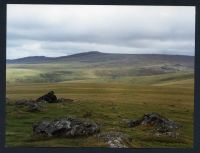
<point x="60" y="30"/>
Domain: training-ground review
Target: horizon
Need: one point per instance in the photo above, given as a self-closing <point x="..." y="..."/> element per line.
<point x="36" y="30"/>
<point x="100" y="53"/>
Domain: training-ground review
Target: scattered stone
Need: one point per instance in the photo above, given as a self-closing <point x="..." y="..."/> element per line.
<point x="66" y="127"/>
<point x="34" y="107"/>
<point x="115" y="139"/>
<point x="50" y="97"/>
<point x="161" y="125"/>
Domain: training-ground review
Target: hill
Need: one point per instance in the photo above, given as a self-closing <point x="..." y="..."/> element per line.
<point x="97" y="67"/>
<point x="108" y="59"/>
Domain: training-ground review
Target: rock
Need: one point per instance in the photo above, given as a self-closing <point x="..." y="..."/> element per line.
<point x="24" y="102"/>
<point x="161" y="125"/>
<point x="115" y="139"/>
<point x="50" y="97"/>
<point x="60" y="100"/>
<point x="66" y="127"/>
<point x="33" y="107"/>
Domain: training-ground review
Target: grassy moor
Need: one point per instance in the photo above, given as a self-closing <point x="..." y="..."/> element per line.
<point x="105" y="88"/>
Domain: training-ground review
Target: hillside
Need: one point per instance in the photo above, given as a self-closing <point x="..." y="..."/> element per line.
<point x="97" y="67"/>
<point x="108" y="58"/>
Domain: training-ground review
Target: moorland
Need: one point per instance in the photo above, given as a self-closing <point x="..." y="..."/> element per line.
<point x="111" y="87"/>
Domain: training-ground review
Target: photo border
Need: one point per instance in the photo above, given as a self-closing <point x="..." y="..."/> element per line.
<point x="196" y="141"/>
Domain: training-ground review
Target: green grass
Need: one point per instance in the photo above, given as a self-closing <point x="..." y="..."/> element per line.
<point x="110" y="93"/>
<point x="109" y="104"/>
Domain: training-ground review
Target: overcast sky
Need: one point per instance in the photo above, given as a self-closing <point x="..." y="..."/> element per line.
<point x="59" y="30"/>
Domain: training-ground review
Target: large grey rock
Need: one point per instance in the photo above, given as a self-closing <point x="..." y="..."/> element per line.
<point x="31" y="105"/>
<point x="160" y="124"/>
<point x="66" y="127"/>
<point x="115" y="139"/>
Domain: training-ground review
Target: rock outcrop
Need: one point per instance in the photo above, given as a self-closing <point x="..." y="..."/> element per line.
<point x="115" y="139"/>
<point x="160" y="124"/>
<point x="32" y="106"/>
<point x="50" y="97"/>
<point x="66" y="127"/>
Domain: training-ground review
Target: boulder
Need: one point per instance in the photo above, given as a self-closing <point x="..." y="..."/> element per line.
<point x="31" y="105"/>
<point x="50" y="97"/>
<point x="160" y="124"/>
<point x="115" y="139"/>
<point x="65" y="127"/>
<point x="34" y="107"/>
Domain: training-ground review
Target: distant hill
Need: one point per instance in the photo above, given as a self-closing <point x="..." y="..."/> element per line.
<point x="29" y="60"/>
<point x="109" y="59"/>
<point x="97" y="66"/>
<point x="44" y="59"/>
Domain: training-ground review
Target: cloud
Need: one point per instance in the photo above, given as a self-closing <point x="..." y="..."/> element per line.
<point x="57" y="30"/>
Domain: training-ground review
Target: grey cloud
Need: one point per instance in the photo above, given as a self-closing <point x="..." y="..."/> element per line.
<point x="62" y="30"/>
